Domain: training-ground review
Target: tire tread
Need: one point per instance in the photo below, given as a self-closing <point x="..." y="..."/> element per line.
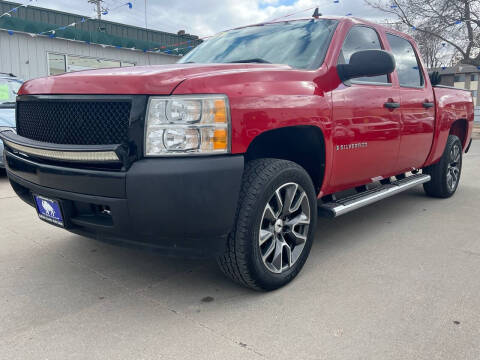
<point x="437" y="186"/>
<point x="234" y="261"/>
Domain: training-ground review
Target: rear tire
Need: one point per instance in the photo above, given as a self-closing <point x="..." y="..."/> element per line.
<point x="274" y="227"/>
<point x="445" y="173"/>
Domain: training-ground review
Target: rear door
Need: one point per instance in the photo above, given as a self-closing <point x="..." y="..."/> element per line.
<point x="366" y="131"/>
<point x="417" y="105"/>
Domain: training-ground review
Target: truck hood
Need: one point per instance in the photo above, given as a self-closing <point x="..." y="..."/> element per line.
<point x="148" y="80"/>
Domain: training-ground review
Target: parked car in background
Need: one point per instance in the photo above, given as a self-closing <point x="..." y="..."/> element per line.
<point x="229" y="152"/>
<point x="9" y="85"/>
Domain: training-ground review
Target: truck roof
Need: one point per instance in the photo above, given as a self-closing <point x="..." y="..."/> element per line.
<point x="341" y="19"/>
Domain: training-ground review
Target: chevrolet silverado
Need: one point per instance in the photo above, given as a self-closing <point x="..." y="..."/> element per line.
<point x="234" y="151"/>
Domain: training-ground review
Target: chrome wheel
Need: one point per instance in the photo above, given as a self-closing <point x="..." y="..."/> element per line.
<point x="453" y="168"/>
<point x="284" y="227"/>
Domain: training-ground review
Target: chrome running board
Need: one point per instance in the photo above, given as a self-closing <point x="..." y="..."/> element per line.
<point x="354" y="202"/>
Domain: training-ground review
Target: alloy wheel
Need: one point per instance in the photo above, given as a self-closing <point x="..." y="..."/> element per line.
<point x="454" y="166"/>
<point x="284" y="227"/>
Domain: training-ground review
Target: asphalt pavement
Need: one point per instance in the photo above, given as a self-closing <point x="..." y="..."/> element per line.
<point x="399" y="279"/>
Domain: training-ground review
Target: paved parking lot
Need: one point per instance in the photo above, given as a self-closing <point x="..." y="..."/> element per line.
<point x="397" y="280"/>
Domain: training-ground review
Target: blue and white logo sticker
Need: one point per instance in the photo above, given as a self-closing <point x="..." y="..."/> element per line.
<point x="49" y="210"/>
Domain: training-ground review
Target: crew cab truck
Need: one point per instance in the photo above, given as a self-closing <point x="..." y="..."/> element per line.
<point x="234" y="151"/>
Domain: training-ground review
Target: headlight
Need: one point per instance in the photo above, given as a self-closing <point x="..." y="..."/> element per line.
<point x="187" y="124"/>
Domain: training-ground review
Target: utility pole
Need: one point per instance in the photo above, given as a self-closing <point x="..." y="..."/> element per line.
<point x="146" y="24"/>
<point x="99" y="6"/>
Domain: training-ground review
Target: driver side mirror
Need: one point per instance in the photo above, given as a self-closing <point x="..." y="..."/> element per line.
<point x="367" y="63"/>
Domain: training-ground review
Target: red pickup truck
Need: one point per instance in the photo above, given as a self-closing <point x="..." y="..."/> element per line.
<point x="232" y="152"/>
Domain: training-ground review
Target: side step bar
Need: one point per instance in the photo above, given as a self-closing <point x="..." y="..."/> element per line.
<point x="354" y="202"/>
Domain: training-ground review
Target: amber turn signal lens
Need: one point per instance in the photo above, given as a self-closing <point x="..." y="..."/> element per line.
<point x="220" y="139"/>
<point x="220" y="111"/>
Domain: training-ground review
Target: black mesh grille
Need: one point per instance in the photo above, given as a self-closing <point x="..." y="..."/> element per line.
<point x="74" y="122"/>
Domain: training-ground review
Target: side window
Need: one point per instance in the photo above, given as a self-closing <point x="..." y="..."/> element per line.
<point x="361" y="38"/>
<point x="408" y="69"/>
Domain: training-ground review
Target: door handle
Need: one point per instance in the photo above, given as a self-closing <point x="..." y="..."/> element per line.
<point x="392" y="105"/>
<point x="428" y="105"/>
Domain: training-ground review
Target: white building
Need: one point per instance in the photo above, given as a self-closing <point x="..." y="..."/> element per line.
<point x="29" y="48"/>
<point x="28" y="57"/>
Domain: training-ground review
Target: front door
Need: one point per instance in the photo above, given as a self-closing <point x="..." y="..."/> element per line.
<point x="366" y="120"/>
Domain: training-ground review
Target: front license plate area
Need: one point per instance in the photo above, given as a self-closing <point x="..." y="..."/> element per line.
<point x="49" y="210"/>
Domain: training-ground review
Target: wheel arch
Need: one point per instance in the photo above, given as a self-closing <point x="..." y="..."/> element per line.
<point x="302" y="144"/>
<point x="460" y="129"/>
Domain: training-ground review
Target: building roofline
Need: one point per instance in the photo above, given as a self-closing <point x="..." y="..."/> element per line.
<point x="23" y="33"/>
<point x="190" y="36"/>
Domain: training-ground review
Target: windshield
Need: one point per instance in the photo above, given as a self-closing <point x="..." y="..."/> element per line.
<point x="8" y="90"/>
<point x="300" y="44"/>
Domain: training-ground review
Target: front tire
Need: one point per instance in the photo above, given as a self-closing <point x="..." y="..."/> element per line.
<point x="274" y="226"/>
<point x="446" y="173"/>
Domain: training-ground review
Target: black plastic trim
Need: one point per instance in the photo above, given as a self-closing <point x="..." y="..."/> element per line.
<point x="93" y="182"/>
<point x="129" y="152"/>
<point x="392" y="105"/>
<point x="367" y="63"/>
<point x="179" y="206"/>
<point x="20" y="140"/>
<point x="428" y="105"/>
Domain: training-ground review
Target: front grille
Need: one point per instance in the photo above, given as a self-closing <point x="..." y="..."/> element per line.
<point x="74" y="122"/>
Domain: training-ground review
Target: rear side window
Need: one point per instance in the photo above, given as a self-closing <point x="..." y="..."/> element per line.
<point x="408" y="67"/>
<point x="361" y="38"/>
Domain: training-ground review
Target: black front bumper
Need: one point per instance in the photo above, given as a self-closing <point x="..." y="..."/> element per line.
<point x="183" y="206"/>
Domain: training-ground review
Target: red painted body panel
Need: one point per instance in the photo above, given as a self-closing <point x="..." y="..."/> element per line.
<point x="264" y="97"/>
<point x="147" y="80"/>
<point x="265" y="100"/>
<point x="417" y="127"/>
<point x="370" y="127"/>
<point x="451" y="105"/>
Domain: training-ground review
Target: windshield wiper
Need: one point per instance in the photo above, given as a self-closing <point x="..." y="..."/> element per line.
<point x="255" y="60"/>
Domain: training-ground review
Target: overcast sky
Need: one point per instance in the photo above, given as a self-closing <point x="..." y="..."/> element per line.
<point x="207" y="17"/>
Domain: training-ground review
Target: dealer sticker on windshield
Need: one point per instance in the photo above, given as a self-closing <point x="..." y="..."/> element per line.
<point x="49" y="210"/>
